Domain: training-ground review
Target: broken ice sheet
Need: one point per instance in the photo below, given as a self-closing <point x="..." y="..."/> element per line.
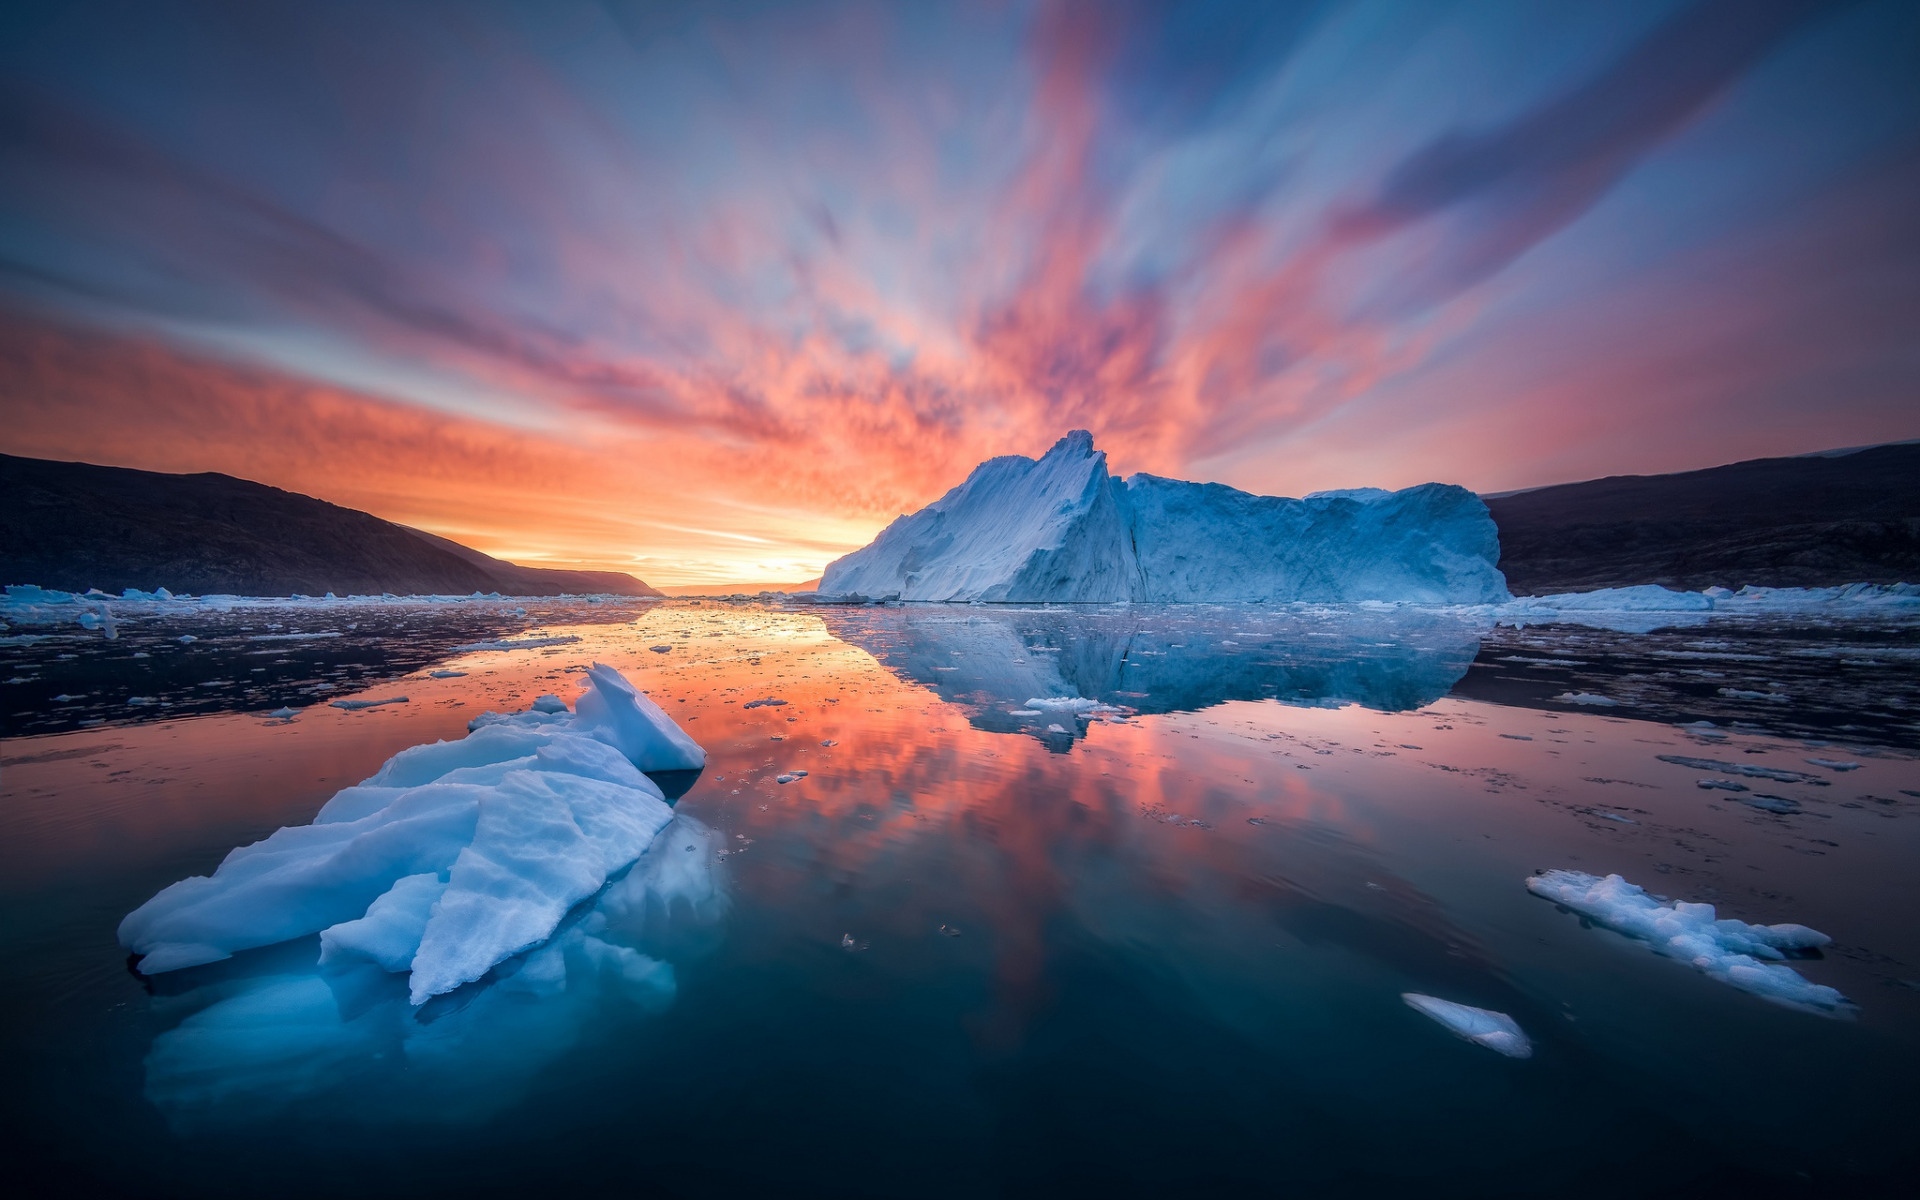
<point x="1723" y="949"/>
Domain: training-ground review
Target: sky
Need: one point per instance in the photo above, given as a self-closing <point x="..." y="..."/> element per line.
<point x="710" y="293"/>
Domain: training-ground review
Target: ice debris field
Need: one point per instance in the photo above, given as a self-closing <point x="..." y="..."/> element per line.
<point x="453" y="857"/>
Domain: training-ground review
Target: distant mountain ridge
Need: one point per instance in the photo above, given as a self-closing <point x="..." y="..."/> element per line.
<point x="75" y="526"/>
<point x="1807" y="521"/>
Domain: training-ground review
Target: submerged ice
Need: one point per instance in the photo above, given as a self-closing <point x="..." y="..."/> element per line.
<point x="450" y="859"/>
<point x="1482" y="1026"/>
<point x="1060" y="528"/>
<point x="1723" y="949"/>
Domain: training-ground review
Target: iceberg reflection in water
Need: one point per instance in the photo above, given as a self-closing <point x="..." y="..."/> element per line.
<point x="276" y="1031"/>
<point x="1167" y="659"/>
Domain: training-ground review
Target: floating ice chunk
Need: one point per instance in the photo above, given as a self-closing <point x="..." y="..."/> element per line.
<point x="445" y="674"/>
<point x="1726" y="950"/>
<point x="284" y="713"/>
<point x="524" y="818"/>
<point x="1834" y="764"/>
<point x="1725" y="785"/>
<point x="769" y="702"/>
<point x="628" y="720"/>
<point x="1592" y="698"/>
<point x="357" y="705"/>
<point x="186" y="639"/>
<point x="549" y="704"/>
<point x="1482" y="1026"/>
<point x="789" y="776"/>
<point x="1750" y="770"/>
<point x="524" y="643"/>
<point x="1072" y="704"/>
<point x="660" y="649"/>
<point x="1748" y="694"/>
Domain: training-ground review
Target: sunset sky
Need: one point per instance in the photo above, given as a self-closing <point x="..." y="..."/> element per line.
<point x="710" y="293"/>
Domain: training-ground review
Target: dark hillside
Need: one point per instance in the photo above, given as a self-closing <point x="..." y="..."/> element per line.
<point x="75" y="526"/>
<point x="1780" y="522"/>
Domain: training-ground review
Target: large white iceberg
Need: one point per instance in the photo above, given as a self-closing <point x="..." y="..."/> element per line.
<point x="1724" y="949"/>
<point x="450" y="859"/>
<point x="1061" y="529"/>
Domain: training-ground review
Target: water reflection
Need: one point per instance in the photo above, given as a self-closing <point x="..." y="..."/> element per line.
<point x="952" y="962"/>
<point x="274" y="1031"/>
<point x="1161" y="660"/>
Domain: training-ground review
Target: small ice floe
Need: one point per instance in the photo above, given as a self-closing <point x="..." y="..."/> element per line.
<point x="660" y="649"/>
<point x="284" y="713"/>
<point x="1750" y="770"/>
<point x="453" y="857"/>
<point x="767" y="702"/>
<point x="829" y="742"/>
<point x="1783" y="805"/>
<point x="1727" y="950"/>
<point x="1834" y="764"/>
<point x="1724" y="785"/>
<point x="789" y="776"/>
<point x="1607" y="816"/>
<point x="445" y="674"/>
<point x="186" y="639"/>
<point x="1482" y="1026"/>
<point x="1056" y="729"/>
<point x="950" y="930"/>
<point x="1518" y="737"/>
<point x="294" y="637"/>
<point x="549" y="703"/>
<point x="849" y="945"/>
<point x="1024" y="712"/>
<point x="357" y="705"/>
<point x="1070" y="704"/>
<point x="140" y="701"/>
<point x="524" y="643"/>
<point x="1592" y="698"/>
<point x="1746" y="694"/>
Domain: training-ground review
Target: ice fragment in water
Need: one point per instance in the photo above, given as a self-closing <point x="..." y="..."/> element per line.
<point x="1834" y="765"/>
<point x="522" y="819"/>
<point x="447" y="674"/>
<point x="1590" y="698"/>
<point x="1727" y="950"/>
<point x="1750" y="770"/>
<point x="1482" y="1026"/>
<point x="660" y="649"/>
<point x="769" y="702"/>
<point x="549" y="704"/>
<point x="1724" y="785"/>
<point x="357" y="705"/>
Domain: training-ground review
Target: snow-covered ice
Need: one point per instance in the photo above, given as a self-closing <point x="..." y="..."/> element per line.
<point x="452" y="858"/>
<point x="1060" y="528"/>
<point x="1724" y="949"/>
<point x="1482" y="1026"/>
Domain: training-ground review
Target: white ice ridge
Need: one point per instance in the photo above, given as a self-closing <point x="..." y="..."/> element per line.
<point x="1727" y="950"/>
<point x="1482" y="1026"/>
<point x="1647" y="607"/>
<point x="452" y="857"/>
<point x="1060" y="528"/>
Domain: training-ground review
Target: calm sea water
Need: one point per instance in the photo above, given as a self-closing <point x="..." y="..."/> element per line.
<point x="987" y="949"/>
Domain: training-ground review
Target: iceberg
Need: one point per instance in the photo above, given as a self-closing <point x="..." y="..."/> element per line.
<point x="449" y="860"/>
<point x="1724" y="949"/>
<point x="1482" y="1026"/>
<point x="1061" y="529"/>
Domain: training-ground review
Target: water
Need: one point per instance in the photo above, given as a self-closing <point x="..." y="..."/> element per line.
<point x="987" y="948"/>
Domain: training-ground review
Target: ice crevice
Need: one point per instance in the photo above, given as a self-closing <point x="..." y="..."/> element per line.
<point x="452" y="858"/>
